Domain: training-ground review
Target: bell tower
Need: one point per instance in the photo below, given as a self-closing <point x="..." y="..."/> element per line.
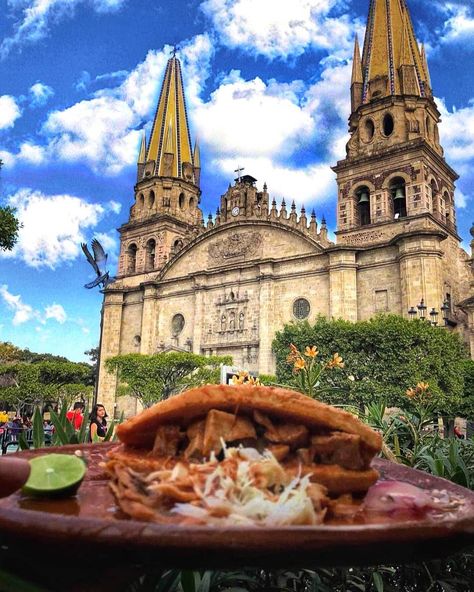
<point x="167" y="194"/>
<point x="394" y="170"/>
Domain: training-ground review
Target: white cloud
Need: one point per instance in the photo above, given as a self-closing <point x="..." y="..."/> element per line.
<point x="37" y="16"/>
<point x="460" y="24"/>
<point x="281" y="29"/>
<point x="457" y="132"/>
<point x="32" y="153"/>
<point x="266" y="119"/>
<point x="9" y="111"/>
<point x="53" y="227"/>
<point x="23" y="312"/>
<point x="56" y="312"/>
<point x="40" y="94"/>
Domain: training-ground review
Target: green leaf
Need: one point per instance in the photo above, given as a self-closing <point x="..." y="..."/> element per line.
<point x="59" y="427"/>
<point x="110" y="432"/>
<point x="22" y="441"/>
<point x="38" y="429"/>
<point x="378" y="581"/>
<point x="188" y="581"/>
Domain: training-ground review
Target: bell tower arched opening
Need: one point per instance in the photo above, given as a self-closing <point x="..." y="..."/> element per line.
<point x="397" y="191"/>
<point x="363" y="205"/>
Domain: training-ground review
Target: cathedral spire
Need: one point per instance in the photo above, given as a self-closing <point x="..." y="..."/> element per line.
<point x="425" y="66"/>
<point x="142" y="153"/>
<point x="170" y="129"/>
<point x="390" y="44"/>
<point x="357" y="82"/>
<point x="356" y="64"/>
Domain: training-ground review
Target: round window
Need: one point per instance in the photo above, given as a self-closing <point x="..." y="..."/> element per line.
<point x="301" y="308"/>
<point x="177" y="324"/>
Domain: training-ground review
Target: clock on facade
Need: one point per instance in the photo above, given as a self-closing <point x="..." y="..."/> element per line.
<point x="235" y="211"/>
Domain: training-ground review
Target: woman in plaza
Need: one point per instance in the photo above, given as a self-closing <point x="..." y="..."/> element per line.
<point x="98" y="423"/>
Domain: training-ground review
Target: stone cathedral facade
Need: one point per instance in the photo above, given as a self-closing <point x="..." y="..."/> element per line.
<point x="225" y="285"/>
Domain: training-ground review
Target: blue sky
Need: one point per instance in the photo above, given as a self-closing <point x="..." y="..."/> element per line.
<point x="267" y="85"/>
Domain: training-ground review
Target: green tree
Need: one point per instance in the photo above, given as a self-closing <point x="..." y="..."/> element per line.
<point x="152" y="378"/>
<point x="23" y="384"/>
<point x="9" y="352"/>
<point x="383" y="357"/>
<point x="9" y="228"/>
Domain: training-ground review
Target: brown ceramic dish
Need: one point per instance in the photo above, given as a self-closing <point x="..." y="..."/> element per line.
<point x="90" y="524"/>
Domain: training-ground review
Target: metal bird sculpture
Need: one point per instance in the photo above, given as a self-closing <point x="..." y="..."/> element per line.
<point x="98" y="262"/>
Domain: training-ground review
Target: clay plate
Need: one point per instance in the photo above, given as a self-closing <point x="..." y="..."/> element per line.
<point x="91" y="525"/>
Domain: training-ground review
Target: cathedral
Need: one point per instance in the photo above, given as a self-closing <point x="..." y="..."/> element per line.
<point x="225" y="285"/>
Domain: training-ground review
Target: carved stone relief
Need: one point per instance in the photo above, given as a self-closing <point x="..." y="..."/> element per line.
<point x="235" y="246"/>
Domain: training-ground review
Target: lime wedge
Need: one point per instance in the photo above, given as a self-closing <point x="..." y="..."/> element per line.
<point x="55" y="475"/>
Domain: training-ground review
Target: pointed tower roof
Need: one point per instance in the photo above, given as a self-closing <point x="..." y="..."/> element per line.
<point x="170" y="129"/>
<point x="357" y="64"/>
<point x="197" y="155"/>
<point x="425" y="66"/>
<point x="142" y="153"/>
<point x="389" y="43"/>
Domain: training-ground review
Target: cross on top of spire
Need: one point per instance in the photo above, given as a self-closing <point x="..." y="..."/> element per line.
<point x="238" y="170"/>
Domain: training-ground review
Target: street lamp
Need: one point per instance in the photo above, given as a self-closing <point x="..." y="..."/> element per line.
<point x="444" y="312"/>
<point x="434" y="316"/>
<point x="422" y="309"/>
<point x="412" y="312"/>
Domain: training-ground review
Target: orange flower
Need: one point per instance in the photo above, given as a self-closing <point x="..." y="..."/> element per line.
<point x="311" y="352"/>
<point x="422" y="387"/>
<point x="336" y="362"/>
<point x="300" y="364"/>
<point x="245" y="378"/>
<point x="293" y="355"/>
<point x="410" y="393"/>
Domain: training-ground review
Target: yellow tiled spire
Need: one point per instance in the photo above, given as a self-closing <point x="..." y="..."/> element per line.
<point x="356" y="64"/>
<point x="142" y="154"/>
<point x="170" y="132"/>
<point x="390" y="43"/>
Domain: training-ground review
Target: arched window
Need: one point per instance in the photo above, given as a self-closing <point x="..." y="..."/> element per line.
<point x="428" y="126"/>
<point x="447" y="208"/>
<point x="435" y="198"/>
<point x="141" y="201"/>
<point x="151" y="199"/>
<point x="388" y="125"/>
<point x="150" y="254"/>
<point x="368" y="130"/>
<point x="398" y="194"/>
<point x="191" y="203"/>
<point x="363" y="205"/>
<point x="181" y="200"/>
<point x="132" y="258"/>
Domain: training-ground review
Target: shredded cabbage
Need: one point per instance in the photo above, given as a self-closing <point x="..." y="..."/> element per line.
<point x="249" y="488"/>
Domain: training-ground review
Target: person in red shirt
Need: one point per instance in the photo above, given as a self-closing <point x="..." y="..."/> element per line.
<point x="75" y="416"/>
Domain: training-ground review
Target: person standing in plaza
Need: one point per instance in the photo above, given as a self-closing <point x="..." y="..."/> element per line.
<point x="75" y="416"/>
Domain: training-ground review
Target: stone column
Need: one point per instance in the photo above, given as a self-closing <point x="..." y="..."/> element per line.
<point x="198" y="318"/>
<point x="110" y="346"/>
<point x="148" y="343"/>
<point x="266" y="362"/>
<point x="421" y="275"/>
<point x="343" y="285"/>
